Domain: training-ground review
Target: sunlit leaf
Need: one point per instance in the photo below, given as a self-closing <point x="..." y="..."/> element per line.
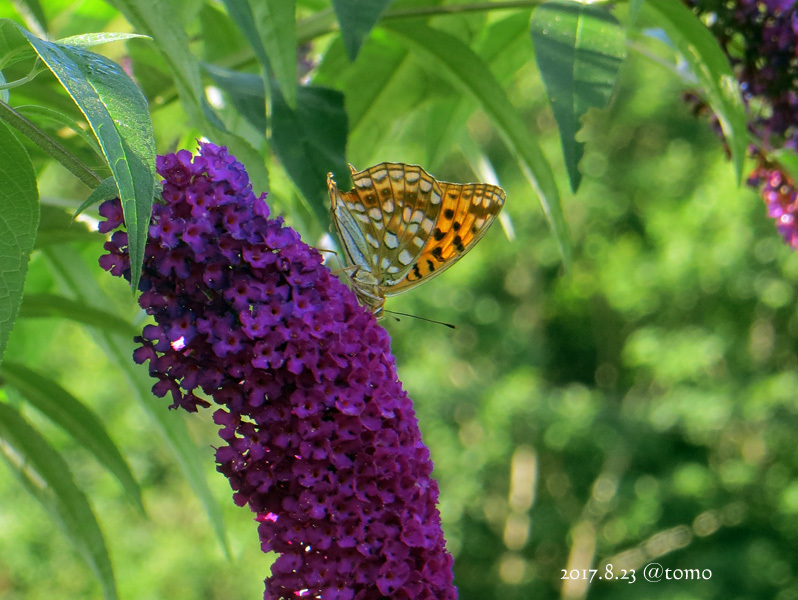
<point x="47" y="477"/>
<point x="711" y="66"/>
<point x="76" y="419"/>
<point x="469" y="73"/>
<point x="118" y="115"/>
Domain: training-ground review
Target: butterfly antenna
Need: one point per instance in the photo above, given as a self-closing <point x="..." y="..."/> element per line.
<point x="393" y="312"/>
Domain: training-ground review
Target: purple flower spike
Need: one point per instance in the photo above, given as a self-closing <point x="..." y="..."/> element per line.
<point x="320" y="439"/>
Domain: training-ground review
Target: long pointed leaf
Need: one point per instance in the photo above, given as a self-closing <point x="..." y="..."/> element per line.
<point x="468" y="72"/>
<point x="60" y="495"/>
<point x="709" y="64"/>
<point x="19" y="219"/>
<point x="117" y="114"/>
<point x="77" y="420"/>
<point x="51" y="305"/>
<point x="579" y="49"/>
<point x="275" y="21"/>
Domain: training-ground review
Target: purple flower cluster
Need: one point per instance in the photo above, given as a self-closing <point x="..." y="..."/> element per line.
<point x="321" y="441"/>
<point x="760" y="38"/>
<point x="781" y="199"/>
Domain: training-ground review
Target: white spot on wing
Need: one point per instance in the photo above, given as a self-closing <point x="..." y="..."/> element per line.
<point x="391" y="240"/>
<point x="379" y="175"/>
<point x="426" y="225"/>
<point x="370" y="239"/>
<point x="418" y="242"/>
<point x="417" y="217"/>
<point x="364" y="182"/>
<point x="375" y="213"/>
<point x="406" y="213"/>
<point x="386" y="262"/>
<point x="425" y="185"/>
<point x="362" y="217"/>
<point x="392" y="270"/>
<point x="397" y="174"/>
<point x="387" y="206"/>
<point x="405" y="257"/>
<point x="412" y="176"/>
<point x="436" y="198"/>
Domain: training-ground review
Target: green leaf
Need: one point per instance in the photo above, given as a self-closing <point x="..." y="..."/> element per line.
<point x="117" y="114"/>
<point x="57" y="227"/>
<point x="246" y="91"/>
<point x="31" y="11"/>
<point x="468" y="72"/>
<point x="66" y="411"/>
<point x="47" y="477"/>
<point x="87" y="40"/>
<point x="160" y="21"/>
<point x="504" y="46"/>
<point x="356" y="19"/>
<point x="385" y="78"/>
<point x="634" y="11"/>
<point x="19" y="219"/>
<point x="579" y="49"/>
<point x="53" y="306"/>
<point x="241" y="12"/>
<point x="709" y="64"/>
<point x="61" y="120"/>
<point x="105" y="191"/>
<point x="311" y="141"/>
<point x="275" y="21"/>
<point x="75" y="279"/>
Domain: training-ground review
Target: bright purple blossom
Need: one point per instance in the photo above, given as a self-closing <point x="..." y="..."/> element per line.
<point x="320" y="439"/>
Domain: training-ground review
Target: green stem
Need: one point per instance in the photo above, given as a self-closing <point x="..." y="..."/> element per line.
<point x="50" y="145"/>
<point x="451" y="9"/>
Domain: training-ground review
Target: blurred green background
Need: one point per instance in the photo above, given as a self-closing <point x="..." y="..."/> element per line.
<point x="639" y="407"/>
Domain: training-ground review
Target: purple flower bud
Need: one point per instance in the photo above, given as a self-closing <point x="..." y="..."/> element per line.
<point x="320" y="440"/>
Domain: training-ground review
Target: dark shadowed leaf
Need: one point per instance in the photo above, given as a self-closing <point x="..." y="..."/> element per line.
<point x="356" y="18"/>
<point x="579" y="49"/>
<point x="311" y="141"/>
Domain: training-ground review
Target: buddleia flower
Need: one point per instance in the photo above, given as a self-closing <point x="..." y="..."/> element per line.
<point x="320" y="440"/>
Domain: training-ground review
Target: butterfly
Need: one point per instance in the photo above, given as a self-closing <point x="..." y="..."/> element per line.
<point x="400" y="227"/>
